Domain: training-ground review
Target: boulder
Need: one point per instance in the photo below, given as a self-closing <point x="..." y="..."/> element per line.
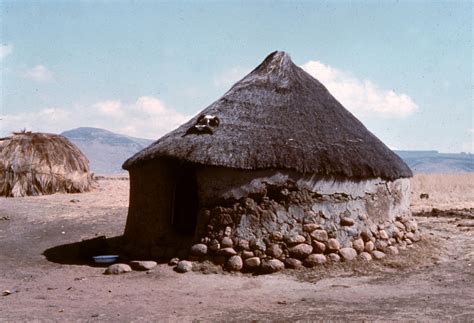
<point x="235" y="263"/>
<point x="252" y="263"/>
<point x="142" y="265"/>
<point x="358" y="245"/>
<point x="184" y="266"/>
<point x="378" y="254"/>
<point x="314" y="260"/>
<point x="300" y="251"/>
<point x="227" y="252"/>
<point x="199" y="249"/>
<point x="365" y="256"/>
<point x="333" y="245"/>
<point x="293" y="263"/>
<point x="319" y="235"/>
<point x="271" y="266"/>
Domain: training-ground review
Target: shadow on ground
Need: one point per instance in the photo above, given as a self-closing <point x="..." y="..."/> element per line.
<point x="81" y="253"/>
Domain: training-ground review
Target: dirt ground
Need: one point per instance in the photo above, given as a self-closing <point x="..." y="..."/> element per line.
<point x="432" y="281"/>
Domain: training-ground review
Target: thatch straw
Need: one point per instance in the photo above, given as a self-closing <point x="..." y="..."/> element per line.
<point x="279" y="116"/>
<point x="39" y="164"/>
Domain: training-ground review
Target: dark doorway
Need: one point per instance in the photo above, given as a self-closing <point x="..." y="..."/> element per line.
<point x="186" y="203"/>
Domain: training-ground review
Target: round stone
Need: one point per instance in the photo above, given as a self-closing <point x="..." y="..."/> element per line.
<point x="380" y="245"/>
<point x="346" y="221"/>
<point x="365" y="256"/>
<point x="334" y="257"/>
<point x="235" y="263"/>
<point x="247" y="254"/>
<point x="320" y="235"/>
<point x="272" y="265"/>
<point x="243" y="244"/>
<point x="383" y="234"/>
<point x="184" y="266"/>
<point x="391" y="250"/>
<point x="252" y="263"/>
<point x="318" y="247"/>
<point x="333" y="245"/>
<point x="369" y="246"/>
<point x="228" y="252"/>
<point x="293" y="263"/>
<point x="378" y="254"/>
<point x="295" y="239"/>
<point x="314" y="260"/>
<point x="117" y="269"/>
<point x="226" y="242"/>
<point x="142" y="265"/>
<point x="300" y="251"/>
<point x="358" y="245"/>
<point x="274" y="251"/>
<point x="348" y="254"/>
<point x="199" y="249"/>
<point x="310" y="227"/>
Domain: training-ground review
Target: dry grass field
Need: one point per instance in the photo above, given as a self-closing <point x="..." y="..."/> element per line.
<point x="431" y="281"/>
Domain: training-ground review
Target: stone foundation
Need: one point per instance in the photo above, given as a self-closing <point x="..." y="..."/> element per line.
<point x="286" y="225"/>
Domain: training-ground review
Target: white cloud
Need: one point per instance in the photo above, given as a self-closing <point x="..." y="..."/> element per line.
<point x="39" y="73"/>
<point x="228" y="77"/>
<point x="147" y="117"/>
<point x="5" y="50"/>
<point x="362" y="97"/>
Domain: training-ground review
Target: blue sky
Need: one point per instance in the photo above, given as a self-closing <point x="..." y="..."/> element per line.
<point x="405" y="69"/>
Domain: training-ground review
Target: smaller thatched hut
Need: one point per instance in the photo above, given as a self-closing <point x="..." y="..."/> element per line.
<point x="40" y="164"/>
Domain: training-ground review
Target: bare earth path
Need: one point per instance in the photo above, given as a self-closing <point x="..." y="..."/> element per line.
<point x="434" y="280"/>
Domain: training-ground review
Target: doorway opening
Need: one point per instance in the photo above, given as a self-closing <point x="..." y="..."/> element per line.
<point x="186" y="202"/>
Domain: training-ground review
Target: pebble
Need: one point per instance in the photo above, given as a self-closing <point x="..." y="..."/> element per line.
<point x="365" y="256"/>
<point x="383" y="234"/>
<point x="333" y="245"/>
<point x="272" y="265"/>
<point x="294" y="239"/>
<point x="243" y="244"/>
<point x="143" y="265"/>
<point x="369" y="246"/>
<point x="293" y="263"/>
<point x="320" y="235"/>
<point x="378" y="254"/>
<point x="247" y="254"/>
<point x="346" y="221"/>
<point x="310" y="227"/>
<point x="199" y="249"/>
<point x="252" y="263"/>
<point x="391" y="250"/>
<point x="366" y="235"/>
<point x="348" y="254"/>
<point x="173" y="262"/>
<point x="274" y="251"/>
<point x="334" y="257"/>
<point x="301" y="251"/>
<point x="380" y="245"/>
<point x="228" y="252"/>
<point x="358" y="245"/>
<point x="235" y="263"/>
<point x="318" y="247"/>
<point x="314" y="260"/>
<point x="226" y="242"/>
<point x="184" y="266"/>
<point x="117" y="269"/>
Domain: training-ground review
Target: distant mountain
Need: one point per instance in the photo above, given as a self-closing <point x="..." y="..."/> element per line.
<point x="105" y="150"/>
<point x="432" y="161"/>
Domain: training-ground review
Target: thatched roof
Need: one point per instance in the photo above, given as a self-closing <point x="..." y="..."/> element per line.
<point x="40" y="163"/>
<point x="279" y="116"/>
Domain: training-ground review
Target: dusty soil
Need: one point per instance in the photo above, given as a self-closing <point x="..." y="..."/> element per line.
<point x="433" y="280"/>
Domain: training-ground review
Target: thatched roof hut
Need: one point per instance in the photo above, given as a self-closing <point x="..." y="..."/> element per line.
<point x="41" y="163"/>
<point x="275" y="153"/>
<point x="279" y="116"/>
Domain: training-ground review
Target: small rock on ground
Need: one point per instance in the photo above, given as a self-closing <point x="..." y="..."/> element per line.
<point x="347" y="221"/>
<point x="348" y="254"/>
<point x="365" y="256"/>
<point x="378" y="254"/>
<point x="369" y="246"/>
<point x="334" y="257"/>
<point x="392" y="250"/>
<point x="252" y="263"/>
<point x="226" y="252"/>
<point x="227" y="242"/>
<point x="293" y="263"/>
<point x="184" y="266"/>
<point x="173" y="262"/>
<point x="358" y="245"/>
<point x="320" y="235"/>
<point x="272" y="265"/>
<point x="333" y="244"/>
<point x="199" y="249"/>
<point x="314" y="260"/>
<point x="301" y="251"/>
<point x="235" y="263"/>
<point x="117" y="269"/>
<point x="142" y="265"/>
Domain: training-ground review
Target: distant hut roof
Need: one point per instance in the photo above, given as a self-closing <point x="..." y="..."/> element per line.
<point x="279" y="116"/>
<point x="40" y="163"/>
